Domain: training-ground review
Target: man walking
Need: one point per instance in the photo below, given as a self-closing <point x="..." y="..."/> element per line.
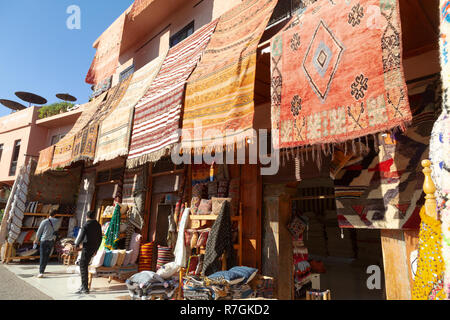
<point x="91" y="238"/>
<point x="46" y="236"/>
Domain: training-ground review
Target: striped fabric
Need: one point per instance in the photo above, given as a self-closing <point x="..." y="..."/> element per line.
<point x="115" y="130"/>
<point x="145" y="257"/>
<point x="165" y="256"/>
<point x="219" y="102"/>
<point x="157" y="114"/>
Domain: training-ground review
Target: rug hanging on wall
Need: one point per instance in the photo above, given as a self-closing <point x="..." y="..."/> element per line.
<point x="440" y="143"/>
<point x="86" y="139"/>
<point x="157" y="115"/>
<point x="115" y="130"/>
<point x="385" y="189"/>
<point x="45" y="160"/>
<point x="337" y="73"/>
<point x="63" y="149"/>
<point x="106" y="58"/>
<point x="219" y="104"/>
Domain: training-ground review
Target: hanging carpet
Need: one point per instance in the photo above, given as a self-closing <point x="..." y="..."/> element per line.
<point x="63" y="149"/>
<point x="385" y="189"/>
<point x="337" y="73"/>
<point x="86" y="139"/>
<point x="115" y="130"/>
<point x="157" y="115"/>
<point x="45" y="160"/>
<point x="219" y="105"/>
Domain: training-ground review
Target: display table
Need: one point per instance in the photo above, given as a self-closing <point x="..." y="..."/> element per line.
<point x="120" y="273"/>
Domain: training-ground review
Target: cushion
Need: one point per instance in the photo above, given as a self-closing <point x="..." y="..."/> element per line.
<point x="188" y="233"/>
<point x="127" y="259"/>
<point x="203" y="238"/>
<point x="205" y="207"/>
<point x="135" y="246"/>
<point x="168" y="270"/>
<point x="192" y="266"/>
<point x="217" y="204"/>
<point x="195" y="202"/>
<point x="98" y="259"/>
<point x="108" y="258"/>
<point x="229" y="276"/>
<point x="296" y="227"/>
<point x="121" y="258"/>
<point x="246" y="272"/>
<point x="115" y="257"/>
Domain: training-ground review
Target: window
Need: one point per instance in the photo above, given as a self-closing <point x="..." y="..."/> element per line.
<point x="182" y="34"/>
<point x="1" y="151"/>
<point x="57" y="138"/>
<point x="126" y="73"/>
<point x="15" y="157"/>
<point x="286" y="8"/>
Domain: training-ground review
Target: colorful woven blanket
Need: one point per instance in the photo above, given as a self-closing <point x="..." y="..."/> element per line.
<point x="219" y="104"/>
<point x="113" y="232"/>
<point x="45" y="160"/>
<point x="86" y="139"/>
<point x="337" y="73"/>
<point x="385" y="189"/>
<point x="106" y="58"/>
<point x="115" y="130"/>
<point x="63" y="149"/>
<point x="157" y="115"/>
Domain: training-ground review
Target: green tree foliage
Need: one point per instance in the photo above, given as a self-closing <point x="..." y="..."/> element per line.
<point x="53" y="109"/>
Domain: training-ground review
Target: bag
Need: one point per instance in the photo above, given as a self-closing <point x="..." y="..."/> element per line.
<point x="55" y="233"/>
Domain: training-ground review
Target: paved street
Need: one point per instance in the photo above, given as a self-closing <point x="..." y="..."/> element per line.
<point x="12" y="287"/>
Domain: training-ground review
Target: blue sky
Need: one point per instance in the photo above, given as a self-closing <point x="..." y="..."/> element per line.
<point x="39" y="54"/>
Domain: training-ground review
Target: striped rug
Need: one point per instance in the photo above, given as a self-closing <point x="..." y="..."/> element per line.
<point x="115" y="130"/>
<point x="220" y="93"/>
<point x="157" y="114"/>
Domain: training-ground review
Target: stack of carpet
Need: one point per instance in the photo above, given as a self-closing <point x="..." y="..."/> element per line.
<point x="368" y="243"/>
<point x="339" y="241"/>
<point x="145" y="257"/>
<point x="165" y="256"/>
<point x="314" y="238"/>
<point x="148" y="285"/>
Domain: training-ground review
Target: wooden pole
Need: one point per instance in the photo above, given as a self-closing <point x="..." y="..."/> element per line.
<point x="429" y="188"/>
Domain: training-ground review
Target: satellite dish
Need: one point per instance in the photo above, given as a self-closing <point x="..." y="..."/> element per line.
<point x="31" y="97"/>
<point x="12" y="105"/>
<point x="66" y="97"/>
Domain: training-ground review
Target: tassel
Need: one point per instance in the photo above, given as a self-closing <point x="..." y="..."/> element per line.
<point x="313" y="153"/>
<point x="353" y="146"/>
<point x="342" y="233"/>
<point x="302" y="154"/>
<point x="307" y="153"/>
<point x="297" y="169"/>
<point x="287" y="154"/>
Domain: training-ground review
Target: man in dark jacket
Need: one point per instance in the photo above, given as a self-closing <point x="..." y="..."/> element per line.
<point x="91" y="238"/>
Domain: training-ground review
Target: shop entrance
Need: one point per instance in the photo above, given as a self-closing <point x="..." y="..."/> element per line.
<point x="348" y="262"/>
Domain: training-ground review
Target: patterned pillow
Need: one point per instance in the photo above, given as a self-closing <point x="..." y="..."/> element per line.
<point x="195" y="203"/>
<point x="217" y="204"/>
<point x="203" y="238"/>
<point x="296" y="227"/>
<point x="246" y="272"/>
<point x="229" y="276"/>
<point x="192" y="266"/>
<point x="188" y="233"/>
<point x="205" y="207"/>
<point x="108" y="258"/>
<point x="121" y="258"/>
<point x="127" y="259"/>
